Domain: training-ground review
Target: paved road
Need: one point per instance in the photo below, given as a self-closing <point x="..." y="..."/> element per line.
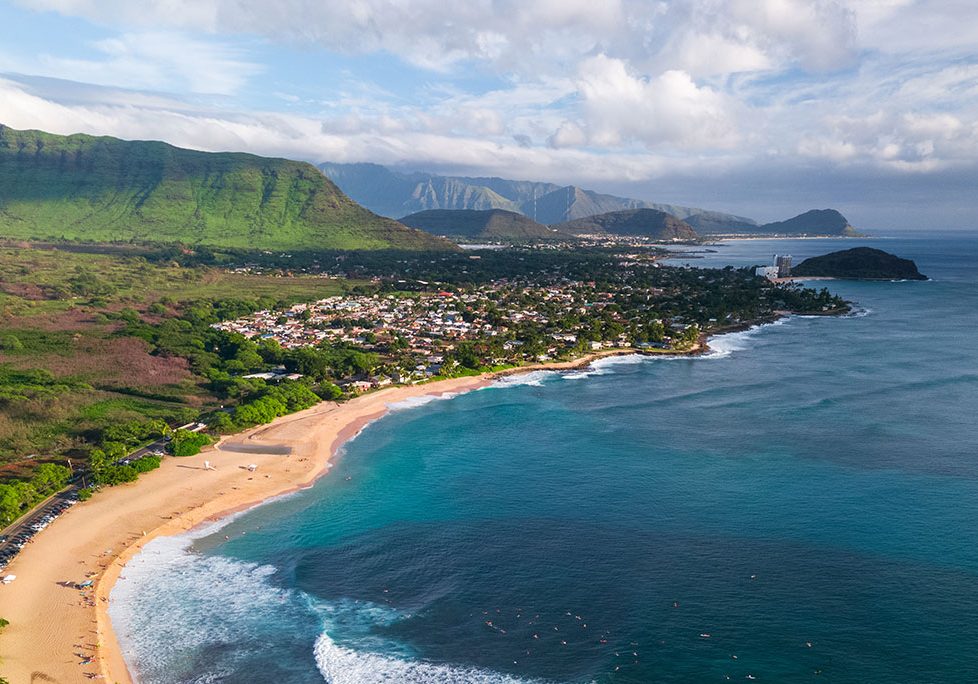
<point x="53" y="506"/>
<point x="56" y="504"/>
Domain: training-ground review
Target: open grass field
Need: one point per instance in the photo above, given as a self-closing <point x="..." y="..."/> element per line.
<point x="67" y="368"/>
<point x="37" y="282"/>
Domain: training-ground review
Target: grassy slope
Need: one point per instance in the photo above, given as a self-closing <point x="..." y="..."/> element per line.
<point x="101" y="378"/>
<point x="105" y="189"/>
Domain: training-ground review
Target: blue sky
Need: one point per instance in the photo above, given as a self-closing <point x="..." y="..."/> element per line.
<point x="761" y="107"/>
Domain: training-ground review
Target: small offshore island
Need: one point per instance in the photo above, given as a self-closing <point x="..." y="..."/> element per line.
<point x="859" y="263"/>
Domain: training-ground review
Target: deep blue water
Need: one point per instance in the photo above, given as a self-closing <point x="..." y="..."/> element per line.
<point x="807" y="496"/>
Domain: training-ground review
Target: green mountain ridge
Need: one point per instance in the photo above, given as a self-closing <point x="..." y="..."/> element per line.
<point x="481" y="224"/>
<point x="651" y="223"/>
<point x="81" y="187"/>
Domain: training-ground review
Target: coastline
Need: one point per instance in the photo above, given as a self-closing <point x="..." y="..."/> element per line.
<point x="61" y="634"/>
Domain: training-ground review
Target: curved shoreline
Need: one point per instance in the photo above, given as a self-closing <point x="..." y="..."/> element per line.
<point x="61" y="634"/>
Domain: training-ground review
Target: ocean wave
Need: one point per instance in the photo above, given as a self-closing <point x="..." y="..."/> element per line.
<point x="604" y="366"/>
<point x="341" y="665"/>
<point x="416" y="402"/>
<point x="533" y="379"/>
<point x="365" y="657"/>
<point x="722" y="346"/>
<point x="858" y="312"/>
<point x="164" y="604"/>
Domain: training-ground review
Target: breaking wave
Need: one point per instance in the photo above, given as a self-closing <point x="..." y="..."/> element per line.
<point x="416" y="402"/>
<point x="722" y="346"/>
<point x="340" y="665"/>
<point x="366" y="658"/>
<point x="533" y="379"/>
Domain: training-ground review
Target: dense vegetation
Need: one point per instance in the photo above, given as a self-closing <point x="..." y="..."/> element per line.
<point x="18" y="496"/>
<point x="860" y="263"/>
<point x="187" y="443"/>
<point x="105" y="189"/>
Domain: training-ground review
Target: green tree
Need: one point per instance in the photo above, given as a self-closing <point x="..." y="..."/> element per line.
<point x="187" y="443"/>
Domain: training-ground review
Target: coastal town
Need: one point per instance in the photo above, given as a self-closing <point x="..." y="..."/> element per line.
<point x="421" y="336"/>
<point x="418" y="330"/>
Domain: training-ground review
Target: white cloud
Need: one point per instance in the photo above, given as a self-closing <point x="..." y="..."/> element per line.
<point x="150" y="60"/>
<point x="620" y="107"/>
<point x="590" y="90"/>
<point x="568" y="134"/>
<point x="819" y="34"/>
<point x="428" y="33"/>
<point x="308" y="138"/>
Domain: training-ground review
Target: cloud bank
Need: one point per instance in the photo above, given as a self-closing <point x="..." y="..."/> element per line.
<point x="683" y="97"/>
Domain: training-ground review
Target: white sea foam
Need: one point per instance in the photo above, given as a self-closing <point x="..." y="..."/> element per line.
<point x="581" y="374"/>
<point x="607" y="363"/>
<point x="172" y="602"/>
<point x="341" y="665"/>
<point x="415" y="402"/>
<point x="163" y="604"/>
<point x="722" y="346"/>
<point x="533" y="378"/>
<point x="604" y="366"/>
<point x="364" y="657"/>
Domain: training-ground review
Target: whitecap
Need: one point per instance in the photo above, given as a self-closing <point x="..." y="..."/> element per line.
<point x="722" y="346"/>
<point x="416" y="402"/>
<point x="580" y="375"/>
<point x="533" y="379"/>
<point x="359" y="655"/>
<point x="341" y="665"/>
<point x="859" y="312"/>
<point x="606" y="363"/>
<point x="604" y="366"/>
<point x="159" y="606"/>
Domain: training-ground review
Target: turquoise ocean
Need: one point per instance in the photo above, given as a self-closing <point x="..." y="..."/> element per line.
<point x="800" y="504"/>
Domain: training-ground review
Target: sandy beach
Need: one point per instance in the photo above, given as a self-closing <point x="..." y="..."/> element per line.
<point x="61" y="634"/>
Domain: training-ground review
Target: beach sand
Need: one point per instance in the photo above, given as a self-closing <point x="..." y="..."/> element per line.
<point x="64" y="635"/>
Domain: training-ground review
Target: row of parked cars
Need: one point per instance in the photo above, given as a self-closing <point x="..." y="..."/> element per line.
<point x="13" y="545"/>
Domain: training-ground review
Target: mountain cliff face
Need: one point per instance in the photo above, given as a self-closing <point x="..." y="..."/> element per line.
<point x="469" y="223"/>
<point x="651" y="223"/>
<point x="859" y="263"/>
<point x="391" y="193"/>
<point x="814" y="222"/>
<point x="104" y="189"/>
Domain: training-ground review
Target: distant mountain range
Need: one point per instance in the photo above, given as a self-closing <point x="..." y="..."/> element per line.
<point x="88" y="188"/>
<point x="814" y="222"/>
<point x="508" y="226"/>
<point x="489" y="224"/>
<point x="396" y="194"/>
<point x="650" y="223"/>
